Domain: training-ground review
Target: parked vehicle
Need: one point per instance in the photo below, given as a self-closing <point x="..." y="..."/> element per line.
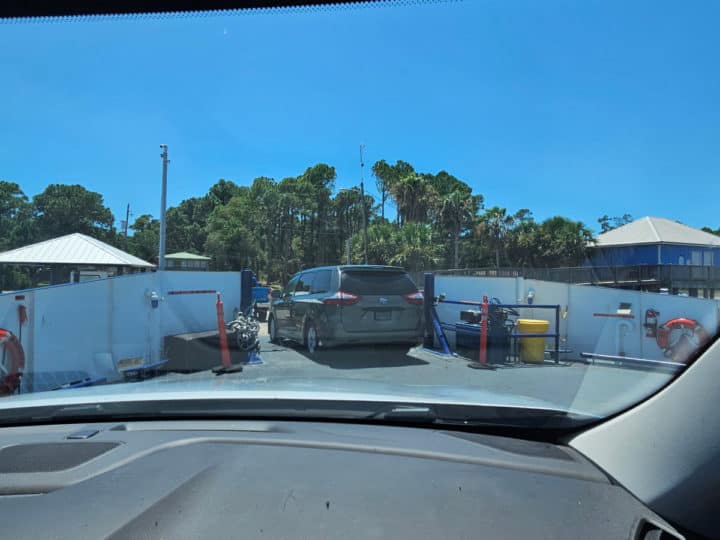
<point x="334" y="305"/>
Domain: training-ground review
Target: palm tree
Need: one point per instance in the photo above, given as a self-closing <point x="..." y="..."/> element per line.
<point x="415" y="198"/>
<point x="563" y="242"/>
<point x="381" y="246"/>
<point x="456" y="212"/>
<point x="417" y="249"/>
<point x="495" y="223"/>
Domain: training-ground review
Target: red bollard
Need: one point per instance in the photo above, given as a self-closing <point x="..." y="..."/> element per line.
<point x="484" y="331"/>
<point x="224" y="349"/>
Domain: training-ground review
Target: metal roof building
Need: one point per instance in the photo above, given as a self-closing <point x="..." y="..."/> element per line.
<point x="75" y="249"/>
<point x="654" y="230"/>
<point x="63" y="259"/>
<point x="653" y="240"/>
<point x="186" y="261"/>
<point x="654" y="253"/>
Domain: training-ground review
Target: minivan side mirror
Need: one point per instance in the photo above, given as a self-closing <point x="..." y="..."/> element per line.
<point x="276" y="294"/>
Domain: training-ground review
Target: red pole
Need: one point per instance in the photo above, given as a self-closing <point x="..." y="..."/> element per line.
<point x="484" y="330"/>
<point x="224" y="350"/>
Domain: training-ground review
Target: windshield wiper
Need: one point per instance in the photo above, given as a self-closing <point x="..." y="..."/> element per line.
<point x="422" y="415"/>
<point x="434" y="414"/>
<point x="479" y="416"/>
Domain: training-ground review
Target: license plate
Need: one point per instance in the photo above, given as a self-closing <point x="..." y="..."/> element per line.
<point x="383" y="315"/>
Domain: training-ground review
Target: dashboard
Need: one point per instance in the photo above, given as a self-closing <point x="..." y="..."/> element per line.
<point x="260" y="479"/>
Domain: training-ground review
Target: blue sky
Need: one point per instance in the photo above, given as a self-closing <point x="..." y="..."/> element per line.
<point x="579" y="108"/>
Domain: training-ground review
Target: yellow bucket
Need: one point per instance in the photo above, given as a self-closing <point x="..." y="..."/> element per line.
<point x="532" y="349"/>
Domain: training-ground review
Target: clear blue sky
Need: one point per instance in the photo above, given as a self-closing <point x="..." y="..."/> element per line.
<point x="577" y="108"/>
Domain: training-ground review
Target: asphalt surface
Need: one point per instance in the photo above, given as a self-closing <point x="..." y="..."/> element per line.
<point x="600" y="389"/>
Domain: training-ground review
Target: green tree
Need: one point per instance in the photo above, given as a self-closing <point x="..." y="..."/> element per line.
<point x="417" y="247"/>
<point x="186" y="224"/>
<point x="382" y="244"/>
<point x="456" y="212"/>
<point x="415" y="198"/>
<point x="521" y="241"/>
<point x="16" y="227"/>
<point x="445" y="184"/>
<point x="608" y="223"/>
<point x="222" y="191"/>
<point x="493" y="227"/>
<point x="64" y="209"/>
<point x="562" y="242"/>
<point x="145" y="240"/>
<point x="388" y="175"/>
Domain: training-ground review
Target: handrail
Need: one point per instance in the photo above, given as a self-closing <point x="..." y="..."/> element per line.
<point x="514" y="335"/>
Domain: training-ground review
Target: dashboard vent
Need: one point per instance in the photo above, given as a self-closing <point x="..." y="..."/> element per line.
<point x="647" y="530"/>
<point x="49" y="457"/>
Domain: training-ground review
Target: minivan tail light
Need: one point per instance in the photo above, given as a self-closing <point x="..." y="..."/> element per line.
<point x="415" y="298"/>
<point x="341" y="298"/>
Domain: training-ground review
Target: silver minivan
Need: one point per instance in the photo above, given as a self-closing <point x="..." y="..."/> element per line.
<point x="350" y="304"/>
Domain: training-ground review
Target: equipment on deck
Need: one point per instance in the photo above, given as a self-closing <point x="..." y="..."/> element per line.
<point x="10" y="371"/>
<point x="244" y="330"/>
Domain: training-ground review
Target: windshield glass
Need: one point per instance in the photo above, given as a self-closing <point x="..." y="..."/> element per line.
<point x="476" y="203"/>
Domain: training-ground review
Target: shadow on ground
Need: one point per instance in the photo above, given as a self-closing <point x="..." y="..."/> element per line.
<point x="362" y="357"/>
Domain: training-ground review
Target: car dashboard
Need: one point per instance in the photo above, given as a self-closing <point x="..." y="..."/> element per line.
<point x="262" y="479"/>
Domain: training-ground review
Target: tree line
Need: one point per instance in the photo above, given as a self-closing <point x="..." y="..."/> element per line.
<point x="277" y="227"/>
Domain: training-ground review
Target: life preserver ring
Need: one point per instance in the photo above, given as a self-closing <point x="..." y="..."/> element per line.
<point x="13" y="362"/>
<point x="675" y="332"/>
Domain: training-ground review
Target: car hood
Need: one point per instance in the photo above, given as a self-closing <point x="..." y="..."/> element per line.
<point x="204" y="386"/>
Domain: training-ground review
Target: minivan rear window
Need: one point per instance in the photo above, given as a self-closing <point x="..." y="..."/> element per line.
<point x="376" y="282"/>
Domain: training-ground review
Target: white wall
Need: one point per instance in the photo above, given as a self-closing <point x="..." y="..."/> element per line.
<point x="196" y="312"/>
<point x="91" y="325"/>
<point x="581" y="328"/>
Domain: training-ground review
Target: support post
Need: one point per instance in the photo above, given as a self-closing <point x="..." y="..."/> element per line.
<point x="246" y="290"/>
<point x="484" y="331"/>
<point x="429" y="298"/>
<point x="224" y="349"/>
<point x="163" y="205"/>
<point x="557" y="334"/>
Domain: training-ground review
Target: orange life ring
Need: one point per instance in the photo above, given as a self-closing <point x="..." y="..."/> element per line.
<point x="11" y="372"/>
<point x="690" y="329"/>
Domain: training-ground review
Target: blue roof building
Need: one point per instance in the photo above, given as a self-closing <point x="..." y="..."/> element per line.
<point x="656" y="241"/>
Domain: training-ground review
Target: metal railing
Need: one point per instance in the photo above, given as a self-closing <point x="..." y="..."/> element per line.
<point x="651" y="274"/>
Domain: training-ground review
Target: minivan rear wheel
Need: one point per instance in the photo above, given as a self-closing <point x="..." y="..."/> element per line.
<point x="272" y="330"/>
<point x="311" y="338"/>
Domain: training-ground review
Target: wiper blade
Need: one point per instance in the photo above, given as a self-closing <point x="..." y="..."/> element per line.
<point x="479" y="416"/>
<point x="301" y="409"/>
<point x="405" y="414"/>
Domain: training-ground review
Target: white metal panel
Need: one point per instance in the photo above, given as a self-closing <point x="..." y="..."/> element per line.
<point x="183" y="313"/>
<point x="70" y="327"/>
<point x="587" y="324"/>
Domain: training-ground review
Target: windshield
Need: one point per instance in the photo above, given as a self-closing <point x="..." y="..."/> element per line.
<point x="491" y="205"/>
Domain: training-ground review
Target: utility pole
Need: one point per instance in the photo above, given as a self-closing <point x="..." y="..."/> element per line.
<point x="362" y="201"/>
<point x="347" y="251"/>
<point x="127" y="220"/>
<point x="163" y="204"/>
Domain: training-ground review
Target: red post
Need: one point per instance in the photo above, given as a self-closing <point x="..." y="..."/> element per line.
<point x="484" y="331"/>
<point x="224" y="349"/>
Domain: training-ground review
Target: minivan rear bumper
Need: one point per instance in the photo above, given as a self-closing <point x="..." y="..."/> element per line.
<point x="341" y="337"/>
